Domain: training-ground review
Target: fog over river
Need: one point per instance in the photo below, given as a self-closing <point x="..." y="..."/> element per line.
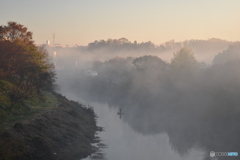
<point x="153" y="109"/>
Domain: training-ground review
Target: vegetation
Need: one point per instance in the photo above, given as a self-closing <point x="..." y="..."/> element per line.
<point x="59" y="133"/>
<point x="25" y="71"/>
<point x="31" y="113"/>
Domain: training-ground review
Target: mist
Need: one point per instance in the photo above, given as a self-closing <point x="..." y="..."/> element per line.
<point x="188" y="91"/>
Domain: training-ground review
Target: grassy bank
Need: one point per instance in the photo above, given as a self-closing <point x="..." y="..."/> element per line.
<point x="45" y="126"/>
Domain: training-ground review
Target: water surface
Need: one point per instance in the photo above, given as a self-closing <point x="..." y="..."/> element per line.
<point x="125" y="143"/>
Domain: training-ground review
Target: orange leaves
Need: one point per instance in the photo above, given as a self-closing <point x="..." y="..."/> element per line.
<point x="14" y="31"/>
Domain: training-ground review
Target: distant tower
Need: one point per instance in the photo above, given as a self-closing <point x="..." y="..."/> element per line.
<point x="53" y="38"/>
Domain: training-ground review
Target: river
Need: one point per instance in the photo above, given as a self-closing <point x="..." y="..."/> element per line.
<point x="125" y="143"/>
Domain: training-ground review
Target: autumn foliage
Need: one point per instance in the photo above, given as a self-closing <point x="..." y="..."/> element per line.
<point x="23" y="63"/>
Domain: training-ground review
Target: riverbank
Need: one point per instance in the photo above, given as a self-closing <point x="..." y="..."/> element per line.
<point x="64" y="131"/>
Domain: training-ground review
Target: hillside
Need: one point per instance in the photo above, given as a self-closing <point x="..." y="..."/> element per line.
<point x="62" y="129"/>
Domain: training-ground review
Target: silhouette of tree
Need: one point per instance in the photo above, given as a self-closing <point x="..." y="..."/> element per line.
<point x="149" y="62"/>
<point x="184" y="62"/>
<point x="230" y="55"/>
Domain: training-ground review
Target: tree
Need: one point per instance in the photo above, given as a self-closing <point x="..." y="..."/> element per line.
<point x="184" y="70"/>
<point x="184" y="61"/>
<point x="14" y="31"/>
<point x="149" y="63"/>
<point x="228" y="56"/>
<point x="12" y="58"/>
<point x="22" y="62"/>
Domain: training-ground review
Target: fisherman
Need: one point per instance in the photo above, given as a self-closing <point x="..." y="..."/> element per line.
<point x="120" y="113"/>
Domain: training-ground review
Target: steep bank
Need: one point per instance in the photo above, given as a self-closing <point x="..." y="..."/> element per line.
<point x="62" y="132"/>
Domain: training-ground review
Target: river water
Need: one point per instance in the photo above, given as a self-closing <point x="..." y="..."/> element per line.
<point x="125" y="143"/>
<point x="165" y="117"/>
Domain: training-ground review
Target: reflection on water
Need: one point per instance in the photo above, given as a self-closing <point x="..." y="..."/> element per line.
<point x="126" y="143"/>
<point x="148" y="134"/>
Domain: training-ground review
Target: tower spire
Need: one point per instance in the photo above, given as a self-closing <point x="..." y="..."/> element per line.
<point x="53" y="38"/>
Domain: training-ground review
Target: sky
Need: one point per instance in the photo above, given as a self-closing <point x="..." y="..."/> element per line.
<point x="84" y="21"/>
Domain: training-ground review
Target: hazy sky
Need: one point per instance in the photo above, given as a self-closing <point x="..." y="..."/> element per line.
<point x="83" y="21"/>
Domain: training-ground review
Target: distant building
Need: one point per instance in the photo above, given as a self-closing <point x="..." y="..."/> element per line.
<point x="48" y="42"/>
